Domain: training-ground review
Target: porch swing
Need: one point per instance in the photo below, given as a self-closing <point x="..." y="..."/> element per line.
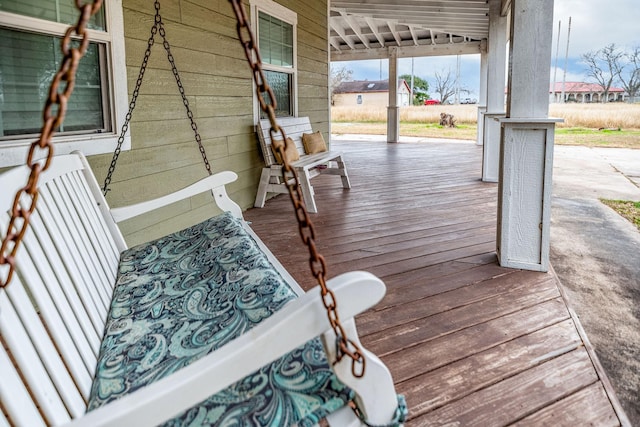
<point x="200" y="327"/>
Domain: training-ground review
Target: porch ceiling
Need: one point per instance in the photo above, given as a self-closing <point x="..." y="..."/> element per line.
<point x="366" y="29"/>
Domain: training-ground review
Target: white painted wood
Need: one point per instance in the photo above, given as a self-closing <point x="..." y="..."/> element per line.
<point x="29" y="364"/>
<point x="14" y="396"/>
<point x="524" y="203"/>
<point x="530" y="58"/>
<point x="62" y="247"/>
<point x="491" y="146"/>
<point x="62" y="324"/>
<point x="55" y="367"/>
<point x="482" y="109"/>
<point x="59" y="275"/>
<point x="101" y="202"/>
<point x="296" y="323"/>
<point x="80" y="244"/>
<point x="331" y="162"/>
<point x="3" y="421"/>
<point x="92" y="251"/>
<point x="482" y="96"/>
<point x="210" y="183"/>
<point x="459" y="48"/>
<point x="393" y="111"/>
<point x="496" y="81"/>
<point x="103" y="242"/>
<point x="375" y="395"/>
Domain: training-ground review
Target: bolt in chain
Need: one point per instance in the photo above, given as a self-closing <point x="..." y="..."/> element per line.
<point x="158" y="27"/>
<point x="66" y="73"/>
<point x="344" y="345"/>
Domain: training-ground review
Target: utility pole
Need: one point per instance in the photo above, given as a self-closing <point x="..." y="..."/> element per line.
<point x="566" y="59"/>
<point x="411" y="96"/>
<point x="457" y="96"/>
<point x="555" y="68"/>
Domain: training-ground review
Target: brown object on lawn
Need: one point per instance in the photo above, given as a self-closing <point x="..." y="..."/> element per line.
<point x="447" y="120"/>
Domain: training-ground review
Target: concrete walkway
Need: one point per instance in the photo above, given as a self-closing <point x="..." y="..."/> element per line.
<point x="596" y="254"/>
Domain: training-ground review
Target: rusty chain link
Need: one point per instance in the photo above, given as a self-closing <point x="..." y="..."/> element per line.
<point x="344" y="345"/>
<point x="157" y="28"/>
<point x="20" y="216"/>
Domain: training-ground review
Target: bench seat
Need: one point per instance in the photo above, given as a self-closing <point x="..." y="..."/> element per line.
<point x="203" y="326"/>
<point x="184" y="295"/>
<point x="307" y="167"/>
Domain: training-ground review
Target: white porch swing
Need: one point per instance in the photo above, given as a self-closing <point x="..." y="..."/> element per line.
<point x="200" y="327"/>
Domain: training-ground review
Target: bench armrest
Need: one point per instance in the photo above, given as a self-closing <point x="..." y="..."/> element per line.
<point x="216" y="183"/>
<point x="298" y="322"/>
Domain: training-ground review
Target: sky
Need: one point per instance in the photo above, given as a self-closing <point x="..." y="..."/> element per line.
<point x="594" y="25"/>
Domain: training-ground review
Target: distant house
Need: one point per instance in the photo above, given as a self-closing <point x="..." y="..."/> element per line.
<point x="584" y="92"/>
<point x="369" y="93"/>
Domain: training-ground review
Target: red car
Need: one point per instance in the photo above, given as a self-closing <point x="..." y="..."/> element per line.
<point x="431" y="101"/>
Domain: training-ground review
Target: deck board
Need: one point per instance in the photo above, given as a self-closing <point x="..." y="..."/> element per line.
<point x="468" y="342"/>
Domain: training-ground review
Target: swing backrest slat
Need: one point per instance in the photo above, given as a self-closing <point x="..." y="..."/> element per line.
<point x="53" y="312"/>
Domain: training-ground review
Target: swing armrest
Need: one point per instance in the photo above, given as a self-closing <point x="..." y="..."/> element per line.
<point x="298" y="322"/>
<point x="215" y="183"/>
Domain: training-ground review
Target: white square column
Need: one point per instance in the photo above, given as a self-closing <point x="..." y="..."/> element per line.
<point x="393" y="111"/>
<point x="527" y="139"/>
<point x="496" y="81"/>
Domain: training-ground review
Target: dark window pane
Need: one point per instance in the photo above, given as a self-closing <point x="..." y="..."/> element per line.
<point x="275" y="40"/>
<point x="281" y="84"/>
<point x="63" y="11"/>
<point x="29" y="62"/>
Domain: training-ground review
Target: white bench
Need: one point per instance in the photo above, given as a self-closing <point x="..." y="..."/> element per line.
<point x="307" y="167"/>
<point x="54" y="312"/>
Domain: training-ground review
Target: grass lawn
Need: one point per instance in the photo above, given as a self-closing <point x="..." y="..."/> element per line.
<point x="564" y="136"/>
<point x="628" y="209"/>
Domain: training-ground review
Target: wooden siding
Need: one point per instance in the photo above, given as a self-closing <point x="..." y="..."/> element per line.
<point x="217" y="81"/>
<point x="468" y="342"/>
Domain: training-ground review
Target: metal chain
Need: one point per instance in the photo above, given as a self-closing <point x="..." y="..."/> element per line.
<point x="317" y="262"/>
<point x="66" y="73"/>
<point x="158" y="27"/>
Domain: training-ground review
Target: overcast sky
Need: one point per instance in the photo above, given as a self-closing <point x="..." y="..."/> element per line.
<point x="594" y="25"/>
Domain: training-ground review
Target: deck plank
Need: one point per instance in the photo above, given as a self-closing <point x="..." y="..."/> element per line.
<point x="468" y="342"/>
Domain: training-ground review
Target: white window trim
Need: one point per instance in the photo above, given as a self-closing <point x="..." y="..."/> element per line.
<point x="14" y="152"/>
<point x="276" y="10"/>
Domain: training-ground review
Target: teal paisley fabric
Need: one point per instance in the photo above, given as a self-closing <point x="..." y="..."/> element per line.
<point x="186" y="294"/>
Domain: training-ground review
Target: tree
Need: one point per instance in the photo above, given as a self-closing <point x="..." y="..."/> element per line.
<point x="338" y="75"/>
<point x="602" y="65"/>
<point x="629" y="73"/>
<point x="420" y="88"/>
<point x="444" y="85"/>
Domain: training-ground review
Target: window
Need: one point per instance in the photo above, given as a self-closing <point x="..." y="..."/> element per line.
<point x="275" y="26"/>
<point x="30" y="34"/>
<point x="359" y="99"/>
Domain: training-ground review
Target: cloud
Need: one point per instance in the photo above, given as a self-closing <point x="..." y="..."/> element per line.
<point x="595" y="24"/>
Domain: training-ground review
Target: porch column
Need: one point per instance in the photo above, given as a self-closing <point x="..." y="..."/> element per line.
<point x="482" y="101"/>
<point x="526" y="160"/>
<point x="393" y="111"/>
<point x="497" y="57"/>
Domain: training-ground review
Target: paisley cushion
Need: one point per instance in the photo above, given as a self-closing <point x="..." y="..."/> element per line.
<point x="186" y="294"/>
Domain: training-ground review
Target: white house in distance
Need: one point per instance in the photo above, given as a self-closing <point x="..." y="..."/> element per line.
<point x="584" y="92"/>
<point x="369" y="93"/>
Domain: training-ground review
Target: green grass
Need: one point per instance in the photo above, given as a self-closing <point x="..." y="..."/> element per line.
<point x="626" y="208"/>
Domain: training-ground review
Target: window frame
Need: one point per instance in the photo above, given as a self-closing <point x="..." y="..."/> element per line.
<point x="276" y="10"/>
<point x="14" y="151"/>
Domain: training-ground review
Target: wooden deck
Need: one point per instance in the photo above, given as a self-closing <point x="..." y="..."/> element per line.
<point x="468" y="342"/>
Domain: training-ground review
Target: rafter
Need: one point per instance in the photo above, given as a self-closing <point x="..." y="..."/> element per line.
<point x="413" y="35"/>
<point x="338" y="29"/>
<point x="374" y="27"/>
<point x="355" y="27"/>
<point x="392" y="28"/>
